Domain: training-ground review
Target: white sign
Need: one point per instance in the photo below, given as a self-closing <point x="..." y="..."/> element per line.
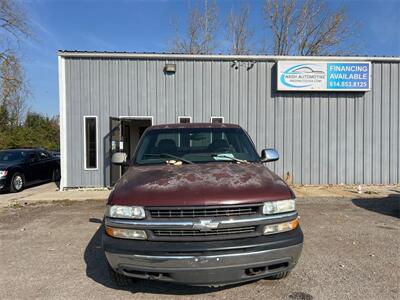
<point x="323" y="76"/>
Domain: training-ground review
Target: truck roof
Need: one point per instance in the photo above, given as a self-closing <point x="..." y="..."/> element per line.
<point x="194" y="125"/>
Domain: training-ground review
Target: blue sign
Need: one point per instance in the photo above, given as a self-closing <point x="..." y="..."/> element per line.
<point x="323" y="76"/>
<point x="345" y="76"/>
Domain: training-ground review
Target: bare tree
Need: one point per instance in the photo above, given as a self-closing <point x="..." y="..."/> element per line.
<point x="238" y="33"/>
<point x="13" y="18"/>
<point x="307" y="29"/>
<point x="13" y="29"/>
<point x="13" y="89"/>
<point x="200" y="32"/>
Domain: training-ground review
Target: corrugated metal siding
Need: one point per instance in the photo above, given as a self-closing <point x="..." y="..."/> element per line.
<point x="322" y="137"/>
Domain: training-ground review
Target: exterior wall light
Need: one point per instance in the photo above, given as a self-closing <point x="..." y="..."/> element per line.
<point x="170" y="68"/>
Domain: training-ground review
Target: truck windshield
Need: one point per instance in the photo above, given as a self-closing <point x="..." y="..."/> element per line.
<point x="195" y="145"/>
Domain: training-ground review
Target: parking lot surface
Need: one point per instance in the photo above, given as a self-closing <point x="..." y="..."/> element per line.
<point x="351" y="251"/>
<point x="7" y="197"/>
<point x="49" y="192"/>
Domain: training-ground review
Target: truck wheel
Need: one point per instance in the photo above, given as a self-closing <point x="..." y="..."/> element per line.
<point x="17" y="183"/>
<point x="280" y="275"/>
<point x="119" y="279"/>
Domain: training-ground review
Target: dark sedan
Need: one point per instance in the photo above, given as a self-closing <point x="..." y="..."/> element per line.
<point x="23" y="167"/>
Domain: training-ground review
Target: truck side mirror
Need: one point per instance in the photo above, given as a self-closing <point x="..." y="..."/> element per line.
<point x="119" y="158"/>
<point x="268" y="155"/>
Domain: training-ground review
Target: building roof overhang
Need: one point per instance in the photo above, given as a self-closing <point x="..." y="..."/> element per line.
<point x="218" y="57"/>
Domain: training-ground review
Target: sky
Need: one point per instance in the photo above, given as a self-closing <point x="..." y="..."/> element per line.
<point x="145" y="26"/>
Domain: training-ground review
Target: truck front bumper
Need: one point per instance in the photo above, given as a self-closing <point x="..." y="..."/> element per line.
<point x="224" y="263"/>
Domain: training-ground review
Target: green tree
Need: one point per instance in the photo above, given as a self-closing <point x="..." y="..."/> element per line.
<point x="36" y="131"/>
<point x="3" y="125"/>
<point x="41" y="131"/>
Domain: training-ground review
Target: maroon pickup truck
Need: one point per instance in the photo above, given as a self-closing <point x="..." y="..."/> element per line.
<point x="197" y="206"/>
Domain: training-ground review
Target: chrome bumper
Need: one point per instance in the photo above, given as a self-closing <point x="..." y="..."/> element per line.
<point x="207" y="270"/>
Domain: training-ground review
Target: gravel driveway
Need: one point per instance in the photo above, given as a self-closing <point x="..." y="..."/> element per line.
<point x="351" y="251"/>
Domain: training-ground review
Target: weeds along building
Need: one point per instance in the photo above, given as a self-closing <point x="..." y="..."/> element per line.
<point x="332" y="119"/>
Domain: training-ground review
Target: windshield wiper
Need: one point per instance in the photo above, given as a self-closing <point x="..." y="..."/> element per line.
<point x="169" y="155"/>
<point x="232" y="158"/>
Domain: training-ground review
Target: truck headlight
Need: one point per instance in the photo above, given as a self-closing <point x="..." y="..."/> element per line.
<point x="281" y="206"/>
<point x="125" y="212"/>
<point x="3" y="173"/>
<point x="281" y="227"/>
<point x="123" y="233"/>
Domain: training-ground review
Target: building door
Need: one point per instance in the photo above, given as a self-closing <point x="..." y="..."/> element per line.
<point x="125" y="135"/>
<point x="115" y="139"/>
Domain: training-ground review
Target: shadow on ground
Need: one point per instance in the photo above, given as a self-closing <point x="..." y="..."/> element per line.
<point x="389" y="205"/>
<point x="97" y="269"/>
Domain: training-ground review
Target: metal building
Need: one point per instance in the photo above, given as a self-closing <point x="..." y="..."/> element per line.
<point x="107" y="99"/>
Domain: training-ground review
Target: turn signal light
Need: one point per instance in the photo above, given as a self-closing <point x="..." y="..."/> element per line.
<point x="123" y="233"/>
<point x="281" y="227"/>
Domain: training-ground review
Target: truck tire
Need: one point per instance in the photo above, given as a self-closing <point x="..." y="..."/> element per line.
<point x="119" y="279"/>
<point x="17" y="183"/>
<point x="280" y="275"/>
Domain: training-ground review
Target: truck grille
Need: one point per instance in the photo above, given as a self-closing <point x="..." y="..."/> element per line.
<point x="207" y="211"/>
<point x="195" y="233"/>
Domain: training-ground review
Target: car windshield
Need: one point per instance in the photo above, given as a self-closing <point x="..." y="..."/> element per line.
<point x="195" y="145"/>
<point x="8" y="156"/>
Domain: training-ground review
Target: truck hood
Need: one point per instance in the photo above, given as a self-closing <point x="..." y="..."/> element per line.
<point x="198" y="184"/>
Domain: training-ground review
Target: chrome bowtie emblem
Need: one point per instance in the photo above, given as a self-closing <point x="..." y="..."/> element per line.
<point x="205" y="225"/>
